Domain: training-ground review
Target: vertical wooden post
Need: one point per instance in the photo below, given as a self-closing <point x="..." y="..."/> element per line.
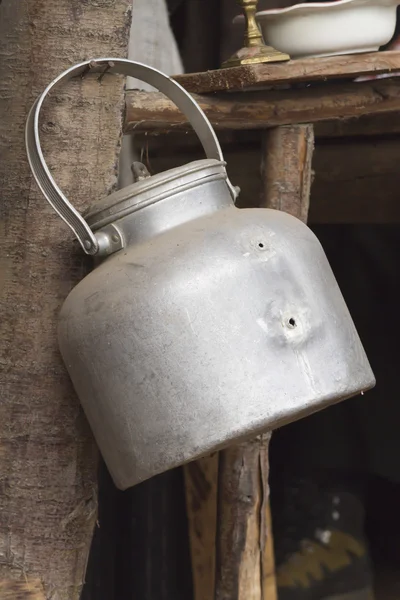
<point x="245" y="568"/>
<point x="239" y="539"/>
<point x="245" y="564"/>
<point x="287" y="172"/>
<point x="47" y="455"/>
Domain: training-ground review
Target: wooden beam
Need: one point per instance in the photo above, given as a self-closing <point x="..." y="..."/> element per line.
<point x="286" y="168"/>
<point x="245" y="561"/>
<point x="295" y="71"/>
<point x="153" y="112"/>
<point x="245" y="565"/>
<point x="381" y="124"/>
<point x="48" y="459"/>
<point x="287" y="157"/>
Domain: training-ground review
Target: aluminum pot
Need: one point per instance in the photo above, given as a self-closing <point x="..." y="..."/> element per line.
<point x="201" y="324"/>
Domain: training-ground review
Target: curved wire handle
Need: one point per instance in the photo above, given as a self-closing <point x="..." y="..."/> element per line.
<point x="175" y="92"/>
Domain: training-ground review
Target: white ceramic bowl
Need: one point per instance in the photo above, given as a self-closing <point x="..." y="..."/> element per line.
<point x="326" y="29"/>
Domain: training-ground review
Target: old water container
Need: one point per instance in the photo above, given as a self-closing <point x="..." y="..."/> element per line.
<point x="201" y="324"/>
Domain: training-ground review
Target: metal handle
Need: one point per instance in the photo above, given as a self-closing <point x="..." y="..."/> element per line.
<point x="165" y="84"/>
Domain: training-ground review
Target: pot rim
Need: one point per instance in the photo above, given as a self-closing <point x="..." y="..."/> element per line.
<point x="322" y="5"/>
<point x="153" y="189"/>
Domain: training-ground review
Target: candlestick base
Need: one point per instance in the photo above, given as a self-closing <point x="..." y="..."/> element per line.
<point x="254" y="51"/>
<point x="255" y="55"/>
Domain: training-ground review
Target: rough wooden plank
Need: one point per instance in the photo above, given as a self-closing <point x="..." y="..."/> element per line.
<point x="201" y="484"/>
<point x="47" y="456"/>
<point x="360" y="127"/>
<point x="307" y="69"/>
<point x="287" y="159"/>
<point x="244" y="558"/>
<point x="153" y="112"/>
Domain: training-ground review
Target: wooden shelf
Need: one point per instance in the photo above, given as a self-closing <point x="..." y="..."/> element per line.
<point x="327" y="92"/>
<point x="294" y="71"/>
<point x="362" y="188"/>
<point x="154" y="113"/>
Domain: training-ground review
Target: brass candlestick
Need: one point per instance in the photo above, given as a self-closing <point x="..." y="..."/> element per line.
<point x="254" y="51"/>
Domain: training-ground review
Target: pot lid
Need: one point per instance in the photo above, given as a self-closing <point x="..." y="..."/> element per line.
<point x="152" y="189"/>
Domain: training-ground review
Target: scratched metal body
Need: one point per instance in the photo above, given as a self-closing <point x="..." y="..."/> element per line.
<point x="214" y="324"/>
<point x="204" y="324"/>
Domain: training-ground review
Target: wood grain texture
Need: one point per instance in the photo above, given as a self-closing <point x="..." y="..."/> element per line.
<point x="294" y="71"/>
<point x="201" y="486"/>
<point x="268" y="562"/>
<point x="21" y="590"/>
<point x="245" y="568"/>
<point x="287" y="158"/>
<point x="47" y="454"/>
<point x="286" y="168"/>
<point x="153" y="112"/>
<point x="379" y="124"/>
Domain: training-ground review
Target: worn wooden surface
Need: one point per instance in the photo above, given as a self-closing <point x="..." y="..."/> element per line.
<point x="201" y="484"/>
<point x="380" y="124"/>
<point x="245" y="569"/>
<point x="268" y="558"/>
<point x="21" y="590"/>
<point x="295" y="71"/>
<point x="47" y="455"/>
<point x="287" y="178"/>
<point x="286" y="169"/>
<point x="153" y="112"/>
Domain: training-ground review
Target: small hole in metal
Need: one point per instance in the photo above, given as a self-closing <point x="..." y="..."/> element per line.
<point x="261" y="245"/>
<point x="292" y="322"/>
